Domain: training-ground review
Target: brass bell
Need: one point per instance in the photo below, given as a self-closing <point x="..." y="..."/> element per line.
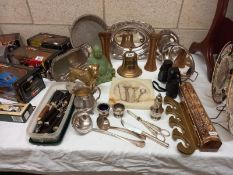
<point x="129" y="67"/>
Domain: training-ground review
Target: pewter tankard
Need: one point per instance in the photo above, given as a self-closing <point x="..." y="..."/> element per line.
<point x="84" y="100"/>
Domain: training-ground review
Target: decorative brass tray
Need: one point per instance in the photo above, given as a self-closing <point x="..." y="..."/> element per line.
<point x="222" y="73"/>
<point x="137" y="31"/>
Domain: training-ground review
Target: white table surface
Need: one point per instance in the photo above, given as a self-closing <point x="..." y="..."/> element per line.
<point x="95" y="152"/>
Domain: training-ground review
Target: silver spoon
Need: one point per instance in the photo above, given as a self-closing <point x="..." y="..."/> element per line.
<point x="103" y="123"/>
<point x="142" y="91"/>
<point x="82" y="123"/>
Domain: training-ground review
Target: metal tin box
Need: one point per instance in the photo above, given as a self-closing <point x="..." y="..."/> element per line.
<point x="50" y="41"/>
<point x="19" y="83"/>
<point x="18" y="112"/>
<point x="34" y="57"/>
<point x="11" y="41"/>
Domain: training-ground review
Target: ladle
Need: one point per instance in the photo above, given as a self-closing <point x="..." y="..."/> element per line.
<point x="104" y="124"/>
<point x="82" y="123"/>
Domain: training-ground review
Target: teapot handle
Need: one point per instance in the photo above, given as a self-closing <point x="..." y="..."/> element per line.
<point x="97" y="88"/>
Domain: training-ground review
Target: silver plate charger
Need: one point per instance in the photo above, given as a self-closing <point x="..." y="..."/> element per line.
<point x="76" y="57"/>
<point x="229" y="105"/>
<point x="140" y="33"/>
<point x="222" y="73"/>
<point x="86" y="29"/>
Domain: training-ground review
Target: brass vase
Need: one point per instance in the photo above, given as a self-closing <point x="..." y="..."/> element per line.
<point x="105" y="38"/>
<point x="151" y="61"/>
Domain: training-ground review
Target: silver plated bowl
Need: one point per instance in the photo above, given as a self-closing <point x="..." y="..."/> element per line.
<point x="139" y="32"/>
<point x="222" y="73"/>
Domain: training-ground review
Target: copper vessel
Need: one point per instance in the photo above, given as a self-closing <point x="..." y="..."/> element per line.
<point x="129" y="67"/>
<point x="105" y="38"/>
<point x="151" y="62"/>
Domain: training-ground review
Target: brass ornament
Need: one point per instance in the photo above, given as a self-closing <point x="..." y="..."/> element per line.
<point x="129" y="67"/>
<point x="87" y="75"/>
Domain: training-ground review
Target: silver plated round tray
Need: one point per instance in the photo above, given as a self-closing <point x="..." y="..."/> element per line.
<point x="137" y="32"/>
<point x="222" y="73"/>
<point x="229" y="106"/>
<point x="77" y="57"/>
<point x="85" y="30"/>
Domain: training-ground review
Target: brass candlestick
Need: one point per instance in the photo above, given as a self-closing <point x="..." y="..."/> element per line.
<point x="105" y="38"/>
<point x="151" y="62"/>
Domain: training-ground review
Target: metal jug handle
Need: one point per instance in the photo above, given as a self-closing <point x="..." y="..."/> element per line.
<point x="97" y="88"/>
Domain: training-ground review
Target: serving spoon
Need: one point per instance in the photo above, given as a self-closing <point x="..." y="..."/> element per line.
<point x="82" y="123"/>
<point x="104" y="124"/>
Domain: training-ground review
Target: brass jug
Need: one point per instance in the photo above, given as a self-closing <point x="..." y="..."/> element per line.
<point x="129" y="67"/>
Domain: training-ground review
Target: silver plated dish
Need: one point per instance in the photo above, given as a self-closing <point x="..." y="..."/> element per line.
<point x="222" y="73"/>
<point x="130" y="34"/>
<point x="86" y="29"/>
<point x="77" y="57"/>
